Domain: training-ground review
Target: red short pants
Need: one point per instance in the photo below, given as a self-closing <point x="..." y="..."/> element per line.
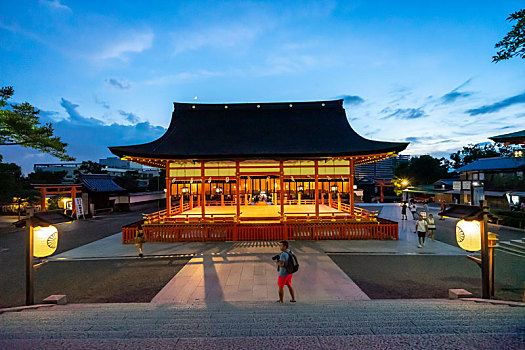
<point x="284" y="281"/>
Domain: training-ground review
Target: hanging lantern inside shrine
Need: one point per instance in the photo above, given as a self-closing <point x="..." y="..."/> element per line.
<point x="468" y="235"/>
<point x="45" y="241"/>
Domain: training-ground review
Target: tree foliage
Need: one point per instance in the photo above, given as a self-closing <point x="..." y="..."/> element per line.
<point x="20" y="125"/>
<point x="46" y="177"/>
<point x="13" y="185"/>
<point x="89" y="167"/>
<point x="472" y="152"/>
<point x="421" y="170"/>
<point x="513" y="44"/>
<point x="129" y="181"/>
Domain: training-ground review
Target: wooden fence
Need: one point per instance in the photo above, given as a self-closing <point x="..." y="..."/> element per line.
<point x="225" y="230"/>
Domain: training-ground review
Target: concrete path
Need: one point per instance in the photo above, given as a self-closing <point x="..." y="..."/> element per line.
<point x="235" y="276"/>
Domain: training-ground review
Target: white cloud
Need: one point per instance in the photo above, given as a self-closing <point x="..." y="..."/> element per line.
<point x="182" y="77"/>
<point x="214" y="37"/>
<point x="55" y="5"/>
<point x="133" y="43"/>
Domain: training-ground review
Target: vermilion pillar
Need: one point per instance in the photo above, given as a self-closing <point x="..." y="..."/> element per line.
<point x="281" y="182"/>
<point x="168" y="189"/>
<point x="203" y="194"/>
<point x="351" y="186"/>
<point x="238" y="187"/>
<point x="316" y="188"/>
<point x="42" y="198"/>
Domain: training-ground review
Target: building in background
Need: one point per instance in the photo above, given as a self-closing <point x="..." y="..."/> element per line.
<point x="71" y="169"/>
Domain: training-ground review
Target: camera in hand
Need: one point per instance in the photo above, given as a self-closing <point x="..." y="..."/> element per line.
<point x="276" y="257"/>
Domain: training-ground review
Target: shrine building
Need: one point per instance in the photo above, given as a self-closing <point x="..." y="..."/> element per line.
<point x="260" y="171"/>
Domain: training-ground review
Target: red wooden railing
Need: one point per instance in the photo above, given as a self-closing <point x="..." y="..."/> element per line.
<point x="226" y="229"/>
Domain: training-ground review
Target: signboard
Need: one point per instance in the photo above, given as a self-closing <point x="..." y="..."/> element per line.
<point x="466" y="185"/>
<point x="456" y="185"/>
<point x="79" y="206"/>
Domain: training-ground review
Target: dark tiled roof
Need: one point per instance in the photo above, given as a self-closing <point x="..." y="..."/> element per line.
<point x="496" y="163"/>
<point x="99" y="183"/>
<point x="258" y="130"/>
<point x="514" y="137"/>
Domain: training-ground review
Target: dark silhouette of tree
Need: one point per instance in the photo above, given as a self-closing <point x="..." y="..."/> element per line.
<point x="421" y="170"/>
<point x="513" y="44"/>
<point x="46" y="177"/>
<point x="13" y="185"/>
<point x="471" y="153"/>
<point x="20" y="125"/>
<point x="89" y="167"/>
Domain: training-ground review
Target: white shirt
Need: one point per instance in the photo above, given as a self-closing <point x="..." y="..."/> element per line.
<point x="421" y="226"/>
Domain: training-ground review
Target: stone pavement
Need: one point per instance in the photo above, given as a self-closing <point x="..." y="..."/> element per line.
<point x="244" y="271"/>
<point x="365" y="324"/>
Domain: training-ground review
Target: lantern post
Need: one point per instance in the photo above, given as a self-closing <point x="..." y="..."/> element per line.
<point x="472" y="235"/>
<point x="487" y="282"/>
<point x="46" y="244"/>
<point x="30" y="298"/>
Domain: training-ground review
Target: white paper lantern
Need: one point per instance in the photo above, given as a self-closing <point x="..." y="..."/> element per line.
<point x="468" y="235"/>
<point x="45" y="241"/>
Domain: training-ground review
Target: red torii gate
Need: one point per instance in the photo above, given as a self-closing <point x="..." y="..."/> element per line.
<point x="60" y="189"/>
<point x="382" y="183"/>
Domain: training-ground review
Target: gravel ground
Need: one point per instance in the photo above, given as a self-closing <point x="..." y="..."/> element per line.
<point x="420" y="277"/>
<point x="71" y="235"/>
<point x="106" y="281"/>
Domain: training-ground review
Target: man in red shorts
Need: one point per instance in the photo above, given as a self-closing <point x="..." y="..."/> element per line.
<point x="285" y="278"/>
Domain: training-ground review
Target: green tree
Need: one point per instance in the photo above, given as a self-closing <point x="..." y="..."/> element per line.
<point x="472" y="152"/>
<point x="129" y="180"/>
<point x="421" y="170"/>
<point x="46" y="177"/>
<point x="13" y="185"/>
<point x="20" y="125"/>
<point x="513" y="44"/>
<point x="89" y="167"/>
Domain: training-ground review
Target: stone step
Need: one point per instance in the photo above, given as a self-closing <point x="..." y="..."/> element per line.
<point x="512" y="248"/>
<point x="145" y="321"/>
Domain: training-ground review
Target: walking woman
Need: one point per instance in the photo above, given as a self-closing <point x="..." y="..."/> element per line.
<point x="421" y="229"/>
<point x="431" y="226"/>
<point x="139" y="240"/>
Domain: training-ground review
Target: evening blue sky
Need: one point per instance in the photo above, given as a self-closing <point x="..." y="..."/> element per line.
<point x="106" y="73"/>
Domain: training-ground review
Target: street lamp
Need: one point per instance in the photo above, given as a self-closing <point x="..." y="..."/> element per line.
<point x="472" y="235"/>
<point x="40" y="242"/>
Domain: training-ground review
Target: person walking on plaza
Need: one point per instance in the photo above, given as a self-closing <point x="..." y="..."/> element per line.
<point x="431" y="226"/>
<point x="139" y="240"/>
<point x="404" y="211"/>
<point x="421" y="229"/>
<point x="413" y="210"/>
<point x="443" y="207"/>
<point x="284" y="278"/>
<point x="426" y="208"/>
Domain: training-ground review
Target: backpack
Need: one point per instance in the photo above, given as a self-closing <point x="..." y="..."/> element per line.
<point x="292" y="265"/>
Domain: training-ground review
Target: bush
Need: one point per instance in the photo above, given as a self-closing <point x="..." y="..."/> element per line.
<point x="510" y="218"/>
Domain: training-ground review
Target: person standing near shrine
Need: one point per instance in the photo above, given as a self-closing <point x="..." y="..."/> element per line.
<point x="284" y="278"/>
<point x="404" y="211"/>
<point x="140" y="240"/>
<point x="443" y="207"/>
<point x="421" y="229"/>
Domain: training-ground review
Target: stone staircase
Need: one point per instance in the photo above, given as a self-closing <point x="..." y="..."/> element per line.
<point x="406" y="324"/>
<point x="516" y="247"/>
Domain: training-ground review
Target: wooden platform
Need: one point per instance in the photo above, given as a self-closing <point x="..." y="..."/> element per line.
<point x="260" y="211"/>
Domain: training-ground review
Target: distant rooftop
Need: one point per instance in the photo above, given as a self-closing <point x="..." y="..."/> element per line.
<point x="517" y="137"/>
<point x="496" y="163"/>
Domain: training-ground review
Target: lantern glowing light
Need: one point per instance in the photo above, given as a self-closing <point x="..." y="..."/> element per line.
<point x="45" y="241"/>
<point x="468" y="235"/>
